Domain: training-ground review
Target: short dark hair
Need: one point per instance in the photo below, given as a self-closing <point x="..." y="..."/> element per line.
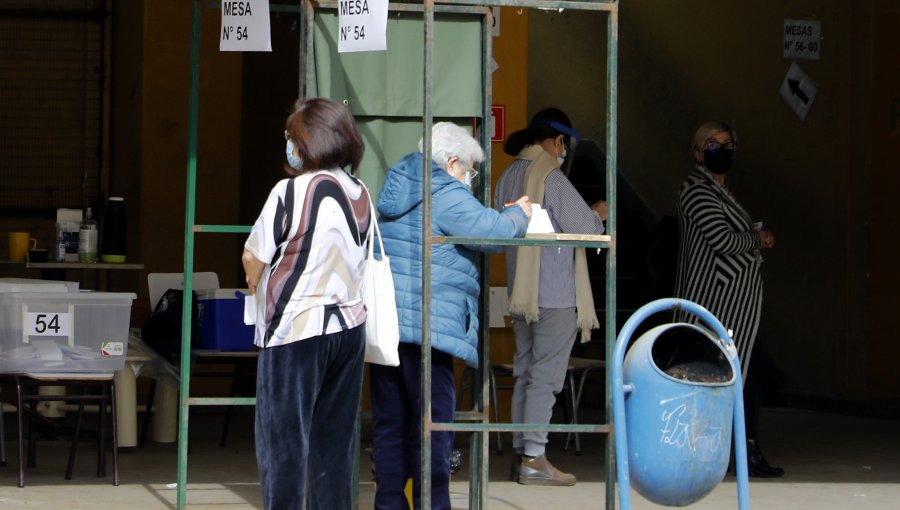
<point x="325" y="135"/>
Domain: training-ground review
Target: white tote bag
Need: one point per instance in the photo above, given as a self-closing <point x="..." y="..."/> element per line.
<point x="382" y="324"/>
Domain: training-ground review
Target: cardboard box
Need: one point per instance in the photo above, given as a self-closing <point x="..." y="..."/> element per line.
<point x="222" y="325"/>
<point x="49" y="332"/>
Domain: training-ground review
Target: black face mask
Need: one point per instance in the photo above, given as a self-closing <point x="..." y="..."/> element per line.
<point x="719" y="161"/>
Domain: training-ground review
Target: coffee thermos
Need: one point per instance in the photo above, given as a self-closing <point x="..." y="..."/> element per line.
<point x="114" y="231"/>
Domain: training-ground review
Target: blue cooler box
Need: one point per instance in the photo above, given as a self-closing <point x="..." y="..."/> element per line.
<point x="222" y="325"/>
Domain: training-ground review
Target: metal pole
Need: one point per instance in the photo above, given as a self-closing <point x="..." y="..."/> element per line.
<point x="612" y="48"/>
<point x="480" y="442"/>
<point x="427" y="121"/>
<point x="308" y="62"/>
<point x="187" y="303"/>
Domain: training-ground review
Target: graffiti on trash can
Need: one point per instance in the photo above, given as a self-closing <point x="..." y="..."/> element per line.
<point x="682" y="428"/>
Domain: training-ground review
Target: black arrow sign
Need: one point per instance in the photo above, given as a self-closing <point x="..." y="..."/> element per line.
<point x="795" y="90"/>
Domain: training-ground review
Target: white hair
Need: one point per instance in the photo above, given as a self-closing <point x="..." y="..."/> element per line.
<point x="449" y="140"/>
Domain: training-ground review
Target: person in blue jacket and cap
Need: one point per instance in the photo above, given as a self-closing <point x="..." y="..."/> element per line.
<point x="395" y="391"/>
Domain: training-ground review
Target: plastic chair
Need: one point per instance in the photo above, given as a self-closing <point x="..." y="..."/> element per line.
<point x="576" y="375"/>
<point x="467" y="381"/>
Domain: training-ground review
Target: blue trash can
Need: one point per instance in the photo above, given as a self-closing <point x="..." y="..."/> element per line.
<point x="679" y="413"/>
<point x="677" y="398"/>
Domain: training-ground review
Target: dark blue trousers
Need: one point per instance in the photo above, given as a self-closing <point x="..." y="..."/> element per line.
<point x="397" y="412"/>
<point x="307" y="403"/>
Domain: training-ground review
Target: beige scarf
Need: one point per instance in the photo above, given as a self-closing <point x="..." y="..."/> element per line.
<point x="524" y="298"/>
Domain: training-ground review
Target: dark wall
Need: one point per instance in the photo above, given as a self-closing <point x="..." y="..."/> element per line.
<point x="821" y="184"/>
<point x="829" y="286"/>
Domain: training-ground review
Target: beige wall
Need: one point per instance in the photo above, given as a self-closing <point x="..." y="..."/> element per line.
<point x="161" y="155"/>
<point x="680" y="63"/>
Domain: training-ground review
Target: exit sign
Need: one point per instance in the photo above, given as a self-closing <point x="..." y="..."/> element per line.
<point x="498" y="123"/>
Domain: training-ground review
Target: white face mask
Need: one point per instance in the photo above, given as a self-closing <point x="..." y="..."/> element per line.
<point x="295" y="162"/>
<point x="562" y="159"/>
<point x="467" y="180"/>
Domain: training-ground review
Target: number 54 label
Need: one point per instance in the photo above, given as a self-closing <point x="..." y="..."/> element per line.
<point x="48" y="324"/>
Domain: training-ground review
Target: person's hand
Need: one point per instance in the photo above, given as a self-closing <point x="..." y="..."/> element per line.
<point x="766" y="239"/>
<point x="253" y="268"/>
<point x="525" y="203"/>
<point x="600" y="209"/>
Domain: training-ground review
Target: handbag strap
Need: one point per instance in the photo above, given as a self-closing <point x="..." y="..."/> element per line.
<point x="374" y="231"/>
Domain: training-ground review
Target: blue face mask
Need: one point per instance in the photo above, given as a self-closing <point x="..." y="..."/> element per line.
<point x="467" y="180"/>
<point x="295" y="162"/>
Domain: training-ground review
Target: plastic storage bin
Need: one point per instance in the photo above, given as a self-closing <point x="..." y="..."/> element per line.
<point x="64" y="332"/>
<point x="32" y="285"/>
<point x="222" y="325"/>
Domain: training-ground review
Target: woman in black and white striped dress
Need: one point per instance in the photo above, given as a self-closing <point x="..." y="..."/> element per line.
<point x="719" y="260"/>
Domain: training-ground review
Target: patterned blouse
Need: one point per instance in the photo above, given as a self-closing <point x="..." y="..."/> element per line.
<point x="312" y="236"/>
<point x="719" y="259"/>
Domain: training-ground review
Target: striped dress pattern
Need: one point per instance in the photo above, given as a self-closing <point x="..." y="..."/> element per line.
<point x="312" y="235"/>
<point x="719" y="259"/>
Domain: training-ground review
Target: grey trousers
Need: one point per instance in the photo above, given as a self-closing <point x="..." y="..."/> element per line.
<point x="542" y="356"/>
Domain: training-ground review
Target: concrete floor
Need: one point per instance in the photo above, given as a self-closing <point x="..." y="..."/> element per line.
<point x="832" y="462"/>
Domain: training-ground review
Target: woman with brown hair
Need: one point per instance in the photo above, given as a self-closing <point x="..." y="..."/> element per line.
<point x="303" y="261"/>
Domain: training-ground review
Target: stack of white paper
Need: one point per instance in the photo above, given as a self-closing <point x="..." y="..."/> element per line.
<point x="540" y="221"/>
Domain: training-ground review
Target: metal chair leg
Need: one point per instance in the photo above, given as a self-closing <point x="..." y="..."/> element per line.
<point x="31" y="461"/>
<point x="115" y="431"/>
<point x="2" y="437"/>
<point x="20" y="433"/>
<point x="494" y="403"/>
<point x="225" y="425"/>
<point x="571" y="404"/>
<point x="148" y="413"/>
<point x="101" y="442"/>
<point x="581" y="378"/>
<point x="72" y="449"/>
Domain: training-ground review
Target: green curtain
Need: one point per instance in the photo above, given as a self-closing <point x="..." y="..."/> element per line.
<point x="384" y="89"/>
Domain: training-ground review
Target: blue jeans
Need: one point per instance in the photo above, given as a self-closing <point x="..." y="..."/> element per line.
<point x="396" y="434"/>
<point x="307" y="405"/>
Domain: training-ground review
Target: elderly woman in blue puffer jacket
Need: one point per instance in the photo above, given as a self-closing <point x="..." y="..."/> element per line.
<point x="396" y="402"/>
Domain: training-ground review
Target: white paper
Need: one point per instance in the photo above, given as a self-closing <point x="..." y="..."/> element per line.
<point x="249" y="310"/>
<point x="540" y="221"/>
<point x="499" y="307"/>
<point x="798" y="90"/>
<point x="802" y="39"/>
<point x="495" y="28"/>
<point x="47" y="350"/>
<point x="245" y="26"/>
<point x="362" y="25"/>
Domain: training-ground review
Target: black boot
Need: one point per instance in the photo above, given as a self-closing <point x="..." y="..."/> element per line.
<point x="757" y="465"/>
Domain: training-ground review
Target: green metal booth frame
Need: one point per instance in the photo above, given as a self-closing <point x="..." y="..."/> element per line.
<point x="477" y="420"/>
